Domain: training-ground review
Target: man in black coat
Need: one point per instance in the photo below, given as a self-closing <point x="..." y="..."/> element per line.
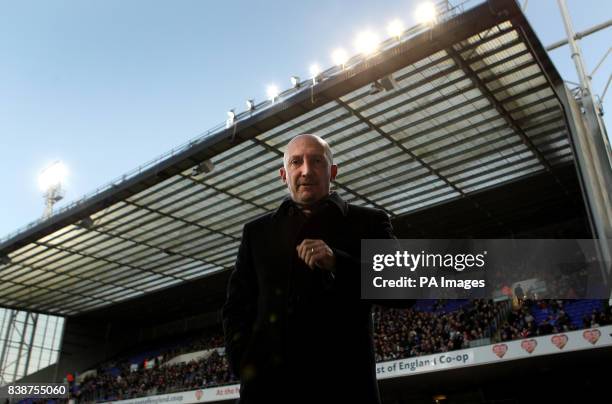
<point x="296" y="329"/>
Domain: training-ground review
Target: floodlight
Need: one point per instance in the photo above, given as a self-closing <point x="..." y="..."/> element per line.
<point x="388" y="83"/>
<point x="426" y="13"/>
<point x="86" y="223"/>
<point x="339" y="57"/>
<point x="295" y="81"/>
<point x="250" y="105"/>
<point x="52" y="176"/>
<point x="204" y="167"/>
<point x="375" y="88"/>
<point x="272" y="92"/>
<point x="395" y="28"/>
<point x="50" y="182"/>
<point x="315" y="70"/>
<point x="367" y="42"/>
<point x="231" y="118"/>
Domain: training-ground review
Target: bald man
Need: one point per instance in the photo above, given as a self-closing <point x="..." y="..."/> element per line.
<point x="296" y="330"/>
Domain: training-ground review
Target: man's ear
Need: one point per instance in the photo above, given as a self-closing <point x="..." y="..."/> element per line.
<point x="283" y="175"/>
<point x="333" y="171"/>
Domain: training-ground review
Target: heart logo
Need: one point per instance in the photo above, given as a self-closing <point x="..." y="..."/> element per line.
<point x="199" y="394"/>
<point x="592" y="335"/>
<point x="529" y="345"/>
<point x="500" y="350"/>
<point x="559" y="340"/>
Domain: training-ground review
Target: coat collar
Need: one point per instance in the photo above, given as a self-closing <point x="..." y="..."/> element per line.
<point x="333" y="199"/>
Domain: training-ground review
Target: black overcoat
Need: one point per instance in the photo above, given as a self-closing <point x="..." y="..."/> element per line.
<point x="299" y="335"/>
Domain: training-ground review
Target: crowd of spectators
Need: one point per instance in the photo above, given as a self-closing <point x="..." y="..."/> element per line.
<point x="521" y="322"/>
<point x="401" y="333"/>
<point x="199" y="344"/>
<point x="398" y="333"/>
<point x="160" y="379"/>
<point x="119" y="379"/>
<point x="598" y="318"/>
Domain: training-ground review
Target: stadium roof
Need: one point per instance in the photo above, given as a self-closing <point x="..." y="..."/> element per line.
<point x="438" y="115"/>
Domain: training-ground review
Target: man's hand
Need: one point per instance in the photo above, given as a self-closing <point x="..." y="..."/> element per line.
<point x="315" y="253"/>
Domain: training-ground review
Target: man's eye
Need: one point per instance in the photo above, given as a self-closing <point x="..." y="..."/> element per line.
<point x="317" y="160"/>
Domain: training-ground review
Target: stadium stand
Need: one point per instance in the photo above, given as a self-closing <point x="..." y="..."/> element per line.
<point x="122" y="382"/>
<point x="430" y="326"/>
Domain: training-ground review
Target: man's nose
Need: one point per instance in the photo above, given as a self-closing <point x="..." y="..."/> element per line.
<point x="306" y="168"/>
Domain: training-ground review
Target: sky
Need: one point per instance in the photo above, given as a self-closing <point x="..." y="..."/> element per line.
<point x="105" y="86"/>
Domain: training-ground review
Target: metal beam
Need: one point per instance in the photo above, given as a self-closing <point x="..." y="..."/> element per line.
<point x="580" y="35"/>
<point x="6" y="346"/>
<point x="498" y="105"/>
<point x="413" y="156"/>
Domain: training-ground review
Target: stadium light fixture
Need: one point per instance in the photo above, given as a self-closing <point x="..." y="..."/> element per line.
<point x="367" y="42"/>
<point x="86" y="223"/>
<point x="375" y="88"/>
<point x="395" y="28"/>
<point x="50" y="182"/>
<point x="272" y="92"/>
<point x="295" y="81"/>
<point x="231" y="118"/>
<point x="250" y="104"/>
<point x="52" y="176"/>
<point x="315" y="70"/>
<point x="388" y="83"/>
<point x="340" y="57"/>
<point x="426" y="13"/>
<point x="205" y="167"/>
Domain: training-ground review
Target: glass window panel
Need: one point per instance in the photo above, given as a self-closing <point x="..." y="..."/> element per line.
<point x="20" y="328"/>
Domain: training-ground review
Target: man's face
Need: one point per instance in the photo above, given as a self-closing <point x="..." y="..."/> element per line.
<point x="307" y="172"/>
